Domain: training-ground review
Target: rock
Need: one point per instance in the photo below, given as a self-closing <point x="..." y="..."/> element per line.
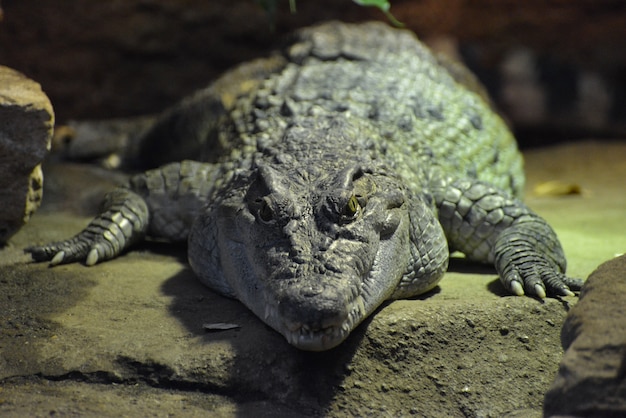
<point x="591" y="379"/>
<point x="138" y="323"/>
<point x="26" y="123"/>
<point x="126" y="337"/>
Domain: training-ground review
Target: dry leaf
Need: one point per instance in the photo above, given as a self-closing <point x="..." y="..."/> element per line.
<point x="220" y="326"/>
<point x="557" y="188"/>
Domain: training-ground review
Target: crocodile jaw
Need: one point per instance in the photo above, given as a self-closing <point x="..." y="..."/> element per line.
<point x="331" y="333"/>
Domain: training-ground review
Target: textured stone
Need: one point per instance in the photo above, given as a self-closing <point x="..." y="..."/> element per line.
<point x="126" y="338"/>
<point x="26" y="122"/>
<point x="592" y="375"/>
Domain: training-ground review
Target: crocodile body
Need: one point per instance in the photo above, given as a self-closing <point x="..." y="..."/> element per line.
<point x="334" y="175"/>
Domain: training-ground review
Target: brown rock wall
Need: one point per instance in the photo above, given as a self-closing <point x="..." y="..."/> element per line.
<point x="128" y="57"/>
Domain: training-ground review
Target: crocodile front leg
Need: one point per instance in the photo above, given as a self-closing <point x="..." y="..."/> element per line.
<point x="489" y="226"/>
<point x="428" y="251"/>
<point x="161" y="203"/>
<point x="123" y="221"/>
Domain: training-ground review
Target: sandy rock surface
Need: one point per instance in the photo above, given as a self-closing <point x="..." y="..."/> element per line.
<point x="127" y="337"/>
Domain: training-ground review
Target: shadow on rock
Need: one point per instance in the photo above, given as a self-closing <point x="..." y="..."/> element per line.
<point x="262" y="365"/>
<point x="29" y="295"/>
<point x="462" y="265"/>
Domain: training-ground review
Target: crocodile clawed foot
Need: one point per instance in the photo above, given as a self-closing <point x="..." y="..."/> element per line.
<point x="72" y="250"/>
<point x="536" y="277"/>
<point x="124" y="221"/>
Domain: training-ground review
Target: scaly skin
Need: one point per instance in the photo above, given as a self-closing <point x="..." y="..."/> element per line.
<point x="337" y="175"/>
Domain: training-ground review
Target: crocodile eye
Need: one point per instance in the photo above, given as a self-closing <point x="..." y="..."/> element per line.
<point x="265" y="212"/>
<point x="351" y="208"/>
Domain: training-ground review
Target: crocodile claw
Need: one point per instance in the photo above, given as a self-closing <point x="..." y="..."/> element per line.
<point x="58" y="258"/>
<point x="515" y="286"/>
<point x="92" y="257"/>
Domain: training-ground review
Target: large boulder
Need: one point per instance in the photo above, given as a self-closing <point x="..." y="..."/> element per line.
<point x="26" y="123"/>
<point x="592" y="375"/>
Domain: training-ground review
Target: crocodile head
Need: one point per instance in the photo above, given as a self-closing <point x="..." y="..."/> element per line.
<point x="312" y="255"/>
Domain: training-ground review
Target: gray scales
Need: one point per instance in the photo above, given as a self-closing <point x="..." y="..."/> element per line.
<point x="337" y="174"/>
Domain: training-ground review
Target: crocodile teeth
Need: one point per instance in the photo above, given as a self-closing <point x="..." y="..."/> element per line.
<point x="361" y="306"/>
<point x="269" y="311"/>
<point x="308" y="337"/>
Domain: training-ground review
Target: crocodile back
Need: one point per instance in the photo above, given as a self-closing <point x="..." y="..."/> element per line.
<point x="409" y="111"/>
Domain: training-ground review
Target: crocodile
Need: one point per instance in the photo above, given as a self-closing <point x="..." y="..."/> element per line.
<point x="338" y="173"/>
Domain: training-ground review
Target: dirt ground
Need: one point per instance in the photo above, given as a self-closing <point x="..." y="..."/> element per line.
<point x="126" y="337"/>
